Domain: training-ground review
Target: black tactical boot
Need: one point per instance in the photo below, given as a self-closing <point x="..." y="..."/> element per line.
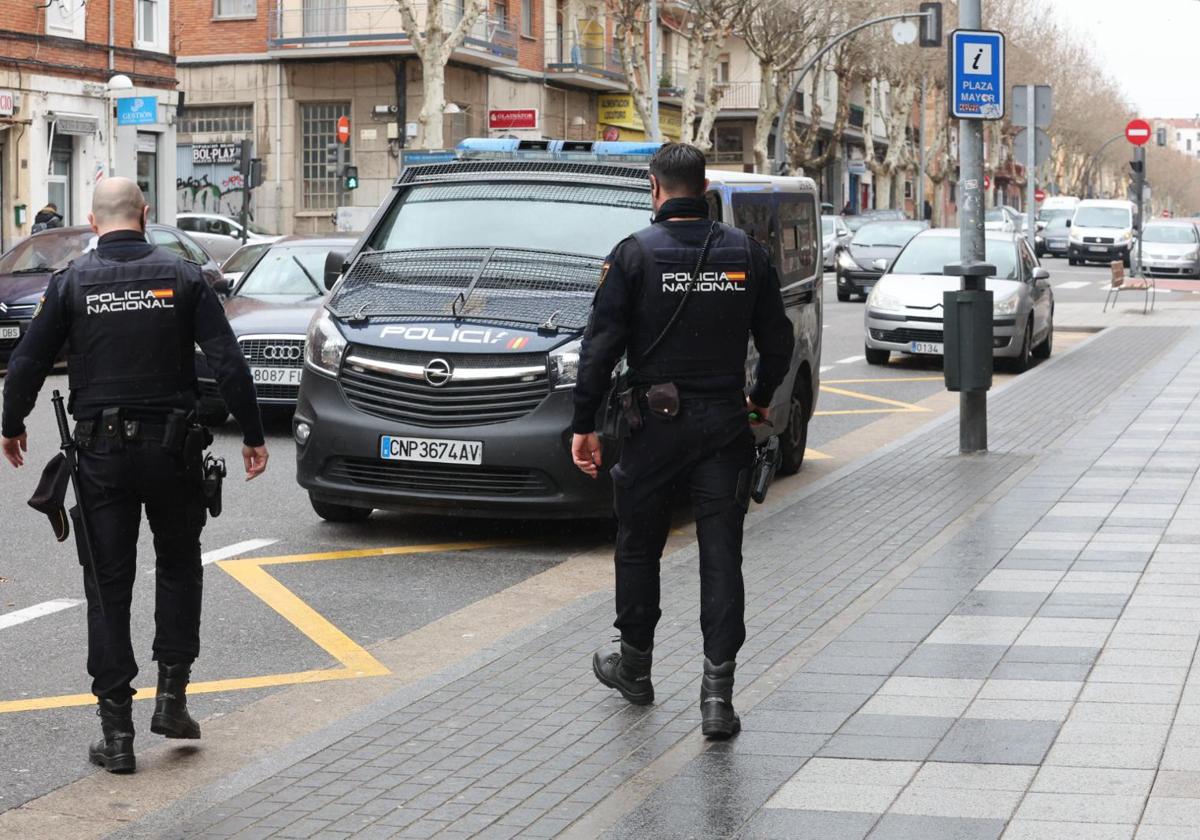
<point x="718" y="720"/>
<point x="114" y="752"/>
<point x="171" y="716"/>
<point x="628" y="671"/>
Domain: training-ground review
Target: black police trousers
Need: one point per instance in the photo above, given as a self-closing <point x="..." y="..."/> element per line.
<point x="709" y="449"/>
<point x="119" y="477"/>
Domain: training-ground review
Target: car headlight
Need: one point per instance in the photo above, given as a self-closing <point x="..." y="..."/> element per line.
<point x="564" y="364"/>
<point x="1192" y="255"/>
<point x="325" y="344"/>
<point x="1125" y="236"/>
<point x="1039" y="238"/>
<point x="1008" y="306"/>
<point x="847" y="262"/>
<point x="884" y="302"/>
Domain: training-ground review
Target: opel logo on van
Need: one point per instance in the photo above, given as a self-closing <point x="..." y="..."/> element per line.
<point x="438" y="372"/>
<point x="282" y="352"/>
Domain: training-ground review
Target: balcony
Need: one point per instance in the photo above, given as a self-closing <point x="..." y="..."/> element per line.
<point x="586" y="61"/>
<point x="331" y="27"/>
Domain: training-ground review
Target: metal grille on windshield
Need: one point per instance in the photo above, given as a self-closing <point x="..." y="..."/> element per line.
<point x="480" y="389"/>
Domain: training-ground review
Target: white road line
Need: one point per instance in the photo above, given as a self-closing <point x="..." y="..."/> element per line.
<point x="16" y="617"/>
<point x="1074" y="284"/>
<point x="234" y="550"/>
<point x="826" y="368"/>
<point x="849" y="360"/>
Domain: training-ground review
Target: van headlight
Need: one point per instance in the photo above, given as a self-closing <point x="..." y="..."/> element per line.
<point x="1125" y="236"/>
<point x="325" y="344"/>
<point x="1008" y="306"/>
<point x="564" y="364"/>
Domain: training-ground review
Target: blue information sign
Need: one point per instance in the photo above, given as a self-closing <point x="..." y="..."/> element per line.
<point x="976" y="75"/>
<point x="137" y="110"/>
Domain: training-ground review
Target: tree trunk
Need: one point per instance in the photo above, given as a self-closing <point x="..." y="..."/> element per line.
<point x="692" y="85"/>
<point x="767" y="110"/>
<point x="433" y="105"/>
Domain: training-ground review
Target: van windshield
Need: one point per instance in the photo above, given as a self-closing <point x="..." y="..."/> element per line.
<point x="576" y="218"/>
<point x="1102" y="217"/>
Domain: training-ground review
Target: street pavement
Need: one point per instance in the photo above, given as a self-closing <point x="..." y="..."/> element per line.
<point x="319" y="638"/>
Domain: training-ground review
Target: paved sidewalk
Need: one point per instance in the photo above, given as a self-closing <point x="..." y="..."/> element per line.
<point x="939" y="647"/>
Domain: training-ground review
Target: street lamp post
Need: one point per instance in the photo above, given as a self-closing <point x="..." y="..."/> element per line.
<point x="117" y="85"/>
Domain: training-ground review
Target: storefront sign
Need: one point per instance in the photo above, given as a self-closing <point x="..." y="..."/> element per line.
<point x="513" y="118"/>
<point x="137" y="110"/>
<point x="215" y="152"/>
<point x="6" y="103"/>
<point x="78" y="126"/>
<point x="616" y="110"/>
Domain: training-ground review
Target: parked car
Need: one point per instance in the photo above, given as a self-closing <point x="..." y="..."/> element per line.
<point x="864" y="260"/>
<point x="904" y="310"/>
<point x="1171" y="248"/>
<point x="269" y="312"/>
<point x="868" y="216"/>
<point x="1054" y="239"/>
<point x="1102" y="229"/>
<point x="1054" y="207"/>
<point x="834" y="237"/>
<point x="1003" y="218"/>
<point x="220" y="235"/>
<point x="439" y="372"/>
<point x="237" y="265"/>
<point x="25" y="270"/>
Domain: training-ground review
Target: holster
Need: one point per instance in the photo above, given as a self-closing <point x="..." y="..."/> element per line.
<point x="631" y="409"/>
<point x="663" y="400"/>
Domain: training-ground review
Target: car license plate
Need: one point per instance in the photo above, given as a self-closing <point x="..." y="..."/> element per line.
<point x="430" y="450"/>
<point x="927" y="347"/>
<point x="1098" y="248"/>
<point x="276" y="376"/>
<point x="13" y="331"/>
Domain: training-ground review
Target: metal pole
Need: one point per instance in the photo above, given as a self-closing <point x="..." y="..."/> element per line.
<point x="972" y="404"/>
<point x="654" y="133"/>
<point x="1139" y="154"/>
<point x="1030" y="163"/>
<point x="921" y="157"/>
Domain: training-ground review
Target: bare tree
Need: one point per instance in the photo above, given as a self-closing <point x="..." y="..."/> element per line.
<point x="845" y="69"/>
<point x="434" y="43"/>
<point x="707" y="30"/>
<point x="631" y="22"/>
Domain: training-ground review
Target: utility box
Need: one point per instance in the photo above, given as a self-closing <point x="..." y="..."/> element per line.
<point x="968" y="340"/>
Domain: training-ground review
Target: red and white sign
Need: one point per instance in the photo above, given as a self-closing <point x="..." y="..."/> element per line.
<point x="1039" y="195"/>
<point x="7" y="106"/>
<point x="343" y="130"/>
<point x="512" y="118"/>
<point x="1138" y="132"/>
<point x="1166" y="214"/>
<point x="987" y="182"/>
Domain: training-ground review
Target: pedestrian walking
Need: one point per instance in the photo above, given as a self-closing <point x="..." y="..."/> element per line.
<point x="46" y="218"/>
<point x="680" y="299"/>
<point x="130" y="315"/>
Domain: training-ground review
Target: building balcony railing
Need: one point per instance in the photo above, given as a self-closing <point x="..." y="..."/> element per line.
<point x="588" y="61"/>
<point x="300" y="24"/>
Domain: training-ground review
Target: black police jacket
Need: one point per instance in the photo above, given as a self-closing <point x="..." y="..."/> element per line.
<point x="736" y="296"/>
<point x="130" y="315"/>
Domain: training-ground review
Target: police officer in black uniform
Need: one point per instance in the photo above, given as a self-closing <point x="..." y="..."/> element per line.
<point x="130" y="316"/>
<point x="687" y="371"/>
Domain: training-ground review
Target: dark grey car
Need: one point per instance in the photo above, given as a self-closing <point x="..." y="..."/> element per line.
<point x="859" y="264"/>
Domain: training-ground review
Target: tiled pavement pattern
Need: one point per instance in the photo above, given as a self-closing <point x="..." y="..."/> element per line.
<point x="1023" y="670"/>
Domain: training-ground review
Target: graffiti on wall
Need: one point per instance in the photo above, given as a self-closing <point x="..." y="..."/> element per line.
<point x="200" y="195"/>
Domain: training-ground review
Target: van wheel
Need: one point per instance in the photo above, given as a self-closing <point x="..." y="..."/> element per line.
<point x="877" y="357"/>
<point x="794" y="440"/>
<point x="332" y="512"/>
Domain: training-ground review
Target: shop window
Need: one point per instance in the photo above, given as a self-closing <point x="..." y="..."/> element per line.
<point x="217" y="119"/>
<point x="223" y="9"/>
<point x="318" y="128"/>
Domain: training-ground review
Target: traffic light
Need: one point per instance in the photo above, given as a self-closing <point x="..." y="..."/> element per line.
<point x="1137" y="166"/>
<point x="241" y="160"/>
<point x="931" y="25"/>
<point x="333" y="158"/>
<point x="349" y="177"/>
<point x="257" y="173"/>
<point x="1161" y="136"/>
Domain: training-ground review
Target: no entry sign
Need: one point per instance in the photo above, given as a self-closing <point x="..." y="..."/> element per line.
<point x="1138" y="132"/>
<point x="343" y="129"/>
<point x="1039" y="195"/>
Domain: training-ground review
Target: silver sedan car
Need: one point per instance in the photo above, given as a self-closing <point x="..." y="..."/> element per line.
<point x="904" y="309"/>
<point x="1171" y="247"/>
<point x="835" y="236"/>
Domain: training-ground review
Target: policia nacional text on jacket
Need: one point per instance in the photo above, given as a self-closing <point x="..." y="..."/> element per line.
<point x="707" y="446"/>
<point x="131" y="316"/>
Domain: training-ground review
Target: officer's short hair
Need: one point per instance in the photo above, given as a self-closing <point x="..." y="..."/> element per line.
<point x="679" y="168"/>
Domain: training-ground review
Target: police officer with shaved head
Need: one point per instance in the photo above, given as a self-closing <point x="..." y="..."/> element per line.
<point x="680" y="300"/>
<point x="130" y="316"/>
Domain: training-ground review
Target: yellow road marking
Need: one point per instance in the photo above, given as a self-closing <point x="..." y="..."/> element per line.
<point x="825" y="382"/>
<point x="848" y="411"/>
<point x="814" y="455"/>
<point x="871" y="398"/>
<point x="354" y="660"/>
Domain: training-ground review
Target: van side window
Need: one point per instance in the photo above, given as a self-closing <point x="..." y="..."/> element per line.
<point x="755" y="214"/>
<point x="714" y="205"/>
<point x="798" y="226"/>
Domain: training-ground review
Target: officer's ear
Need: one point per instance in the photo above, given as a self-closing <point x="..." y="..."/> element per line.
<point x="92" y="223"/>
<point x="655" y="188"/>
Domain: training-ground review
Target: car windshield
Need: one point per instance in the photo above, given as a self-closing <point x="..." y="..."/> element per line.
<point x="579" y="218"/>
<point x="827" y="226"/>
<point x="1170" y="234"/>
<point x="1058" y="223"/>
<point x="287" y="270"/>
<point x="45" y="252"/>
<point x="886" y="234"/>
<point x="1102" y="217"/>
<point x="931" y="255"/>
<point x="1050" y="215"/>
<point x="243" y="258"/>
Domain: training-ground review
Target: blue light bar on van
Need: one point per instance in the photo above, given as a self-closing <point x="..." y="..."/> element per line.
<point x="509" y="148"/>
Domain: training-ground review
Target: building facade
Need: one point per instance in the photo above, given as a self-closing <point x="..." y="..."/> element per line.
<point x="87" y="89"/>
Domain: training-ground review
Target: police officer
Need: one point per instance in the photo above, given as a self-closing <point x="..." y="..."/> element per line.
<point x="130" y="316"/>
<point x="687" y="372"/>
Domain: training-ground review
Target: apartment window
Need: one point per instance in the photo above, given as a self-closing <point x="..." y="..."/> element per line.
<point x="65" y="18"/>
<point x="1189" y="142"/>
<point x="235" y="8"/>
<point x="318" y="128"/>
<point x="500" y="13"/>
<point x="723" y="69"/>
<point x="527" y="18"/>
<point x="217" y="119"/>
<point x="151" y="25"/>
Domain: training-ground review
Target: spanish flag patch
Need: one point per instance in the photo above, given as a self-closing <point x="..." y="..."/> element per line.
<point x="517" y="343"/>
<point x="735" y="276"/>
<point x="162" y="294"/>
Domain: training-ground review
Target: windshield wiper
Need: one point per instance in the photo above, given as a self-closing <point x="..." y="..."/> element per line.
<point x="311" y="279"/>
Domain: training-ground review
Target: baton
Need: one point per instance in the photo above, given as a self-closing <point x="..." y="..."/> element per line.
<point x="68" y="446"/>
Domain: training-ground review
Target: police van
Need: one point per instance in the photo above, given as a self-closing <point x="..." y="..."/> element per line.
<point x="439" y="372"/>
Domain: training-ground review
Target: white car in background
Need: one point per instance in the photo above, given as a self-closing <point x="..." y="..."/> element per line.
<point x="904" y="309"/>
<point x="220" y="235"/>
<point x="1003" y="218"/>
<point x="1102" y="230"/>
